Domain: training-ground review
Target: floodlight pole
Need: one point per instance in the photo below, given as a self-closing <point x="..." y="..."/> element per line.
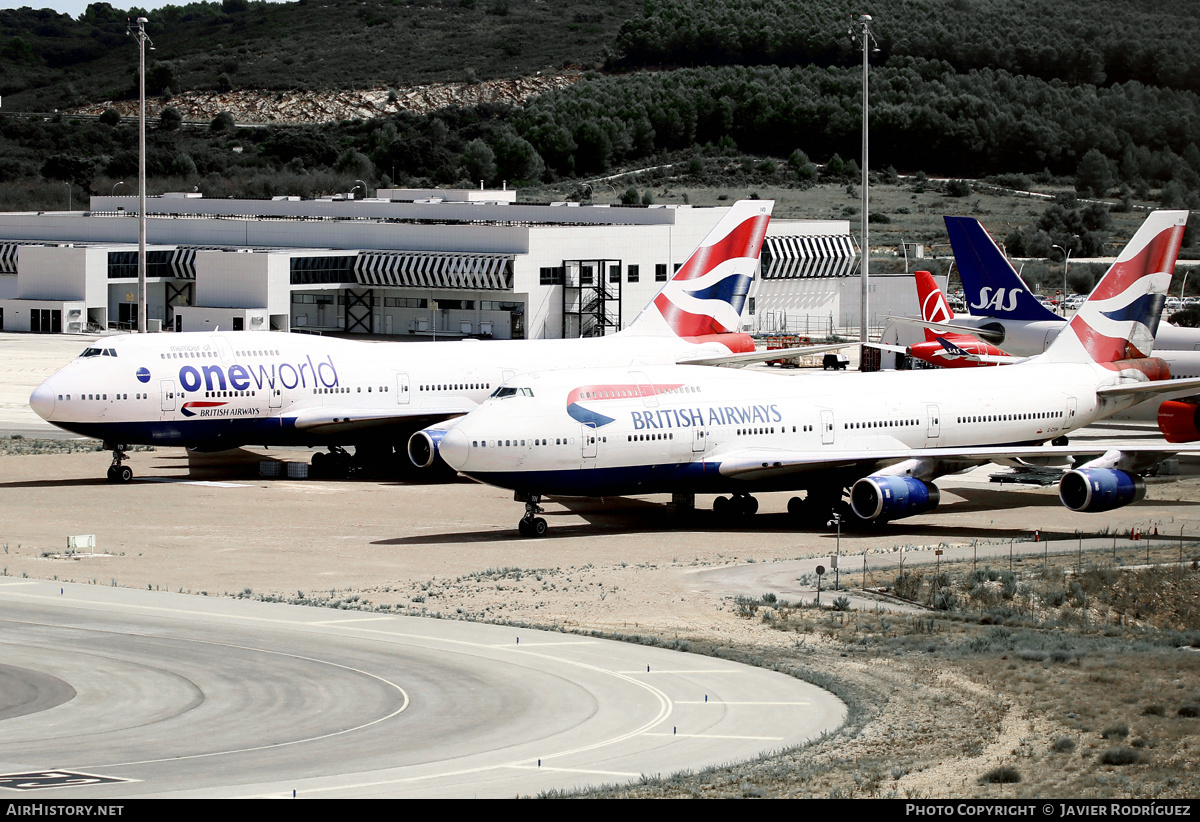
<point x="1066" y="262"/>
<point x="139" y="33"/>
<point x="866" y="245"/>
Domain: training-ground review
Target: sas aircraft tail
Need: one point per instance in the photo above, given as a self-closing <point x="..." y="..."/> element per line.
<point x="992" y="286"/>
<point x="706" y="295"/>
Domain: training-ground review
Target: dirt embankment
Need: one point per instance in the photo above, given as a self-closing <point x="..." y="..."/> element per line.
<point x="251" y="106"/>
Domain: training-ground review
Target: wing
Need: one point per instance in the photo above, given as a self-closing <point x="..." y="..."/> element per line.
<point x="331" y="420"/>
<point x="749" y="358"/>
<point x="766" y="463"/>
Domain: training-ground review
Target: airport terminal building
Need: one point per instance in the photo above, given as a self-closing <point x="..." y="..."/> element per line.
<point x="416" y="263"/>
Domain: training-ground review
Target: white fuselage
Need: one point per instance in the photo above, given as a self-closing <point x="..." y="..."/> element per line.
<point x="687" y="429"/>
<point x="223" y="389"/>
<point x="1178" y="347"/>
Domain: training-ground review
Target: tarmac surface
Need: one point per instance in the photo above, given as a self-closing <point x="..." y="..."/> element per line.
<point x="147" y="694"/>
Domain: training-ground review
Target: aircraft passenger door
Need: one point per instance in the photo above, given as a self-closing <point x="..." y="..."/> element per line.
<point x="276" y="398"/>
<point x="827" y="428"/>
<point x="168" y="394"/>
<point x="699" y="439"/>
<point x="224" y="349"/>
<point x="649" y="398"/>
<point x="934" y="426"/>
<point x="588" y="433"/>
<point x="1069" y="418"/>
<point x="402" y="392"/>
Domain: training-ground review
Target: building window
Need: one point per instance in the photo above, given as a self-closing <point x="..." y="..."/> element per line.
<point x="552" y="275"/>
<point x="586" y="275"/>
<point x="614" y="273"/>
<point x="660" y="273"/>
<point x="322" y="270"/>
<point x="632" y="274"/>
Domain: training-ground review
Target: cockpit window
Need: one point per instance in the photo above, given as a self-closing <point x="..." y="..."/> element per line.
<point x="91" y="352"/>
<point x="507" y="391"/>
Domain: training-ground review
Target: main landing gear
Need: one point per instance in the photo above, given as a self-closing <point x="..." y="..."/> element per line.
<point x="117" y="472"/>
<point x="334" y="464"/>
<point x="531" y="525"/>
<point x="739" y="505"/>
<point x="817" y="510"/>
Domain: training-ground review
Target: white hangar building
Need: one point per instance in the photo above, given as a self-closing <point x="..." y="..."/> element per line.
<point x="408" y="262"/>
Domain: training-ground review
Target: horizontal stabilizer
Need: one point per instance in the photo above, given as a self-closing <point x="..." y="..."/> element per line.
<point x="766" y="355"/>
<point x="985" y="334"/>
<point x="1149" y="389"/>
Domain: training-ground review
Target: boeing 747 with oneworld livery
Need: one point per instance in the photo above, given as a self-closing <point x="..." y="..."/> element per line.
<point x="218" y="390"/>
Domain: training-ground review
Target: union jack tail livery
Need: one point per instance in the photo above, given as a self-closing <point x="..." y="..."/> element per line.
<point x="1120" y="318"/>
<point x="706" y="295"/>
<point x="992" y="286"/>
<point x="934" y="308"/>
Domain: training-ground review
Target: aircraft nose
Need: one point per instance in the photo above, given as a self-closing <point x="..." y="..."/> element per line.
<point x="453" y="448"/>
<point x="42" y="400"/>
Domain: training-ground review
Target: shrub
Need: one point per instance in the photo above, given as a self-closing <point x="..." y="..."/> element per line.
<point x="1116" y="731"/>
<point x="1120" y="756"/>
<point x="170" y="119"/>
<point x="1003" y="775"/>
<point x="222" y="122"/>
<point x="1154" y="710"/>
<point x="1063" y="744"/>
<point x="958" y="188"/>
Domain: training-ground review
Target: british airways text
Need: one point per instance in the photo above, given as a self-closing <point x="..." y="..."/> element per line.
<point x="717" y="415"/>
<point x="305" y="374"/>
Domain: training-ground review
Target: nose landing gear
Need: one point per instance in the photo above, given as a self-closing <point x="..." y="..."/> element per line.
<point x="117" y="472"/>
<point x="531" y="525"/>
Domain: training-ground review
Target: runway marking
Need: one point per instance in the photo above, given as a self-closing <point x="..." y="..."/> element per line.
<point x="722" y="736"/>
<point x="205" y="483"/>
<point x="685" y="671"/>
<point x="350" y="620"/>
<point x="536" y="644"/>
<point x="623" y="774"/>
<point x="720" y="702"/>
<point x="19" y="582"/>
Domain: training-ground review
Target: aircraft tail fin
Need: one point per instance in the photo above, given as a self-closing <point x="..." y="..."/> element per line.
<point x="992" y="286"/>
<point x="708" y="291"/>
<point x="1120" y="318"/>
<point x="934" y="308"/>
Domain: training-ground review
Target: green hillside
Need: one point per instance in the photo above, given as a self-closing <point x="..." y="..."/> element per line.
<point x="1091" y="94"/>
<point x="49" y="60"/>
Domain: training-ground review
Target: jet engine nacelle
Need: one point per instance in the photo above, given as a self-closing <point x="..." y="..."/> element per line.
<point x="1092" y="490"/>
<point x="1179" y="421"/>
<point x="883" y="498"/>
<point x="424" y="445"/>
